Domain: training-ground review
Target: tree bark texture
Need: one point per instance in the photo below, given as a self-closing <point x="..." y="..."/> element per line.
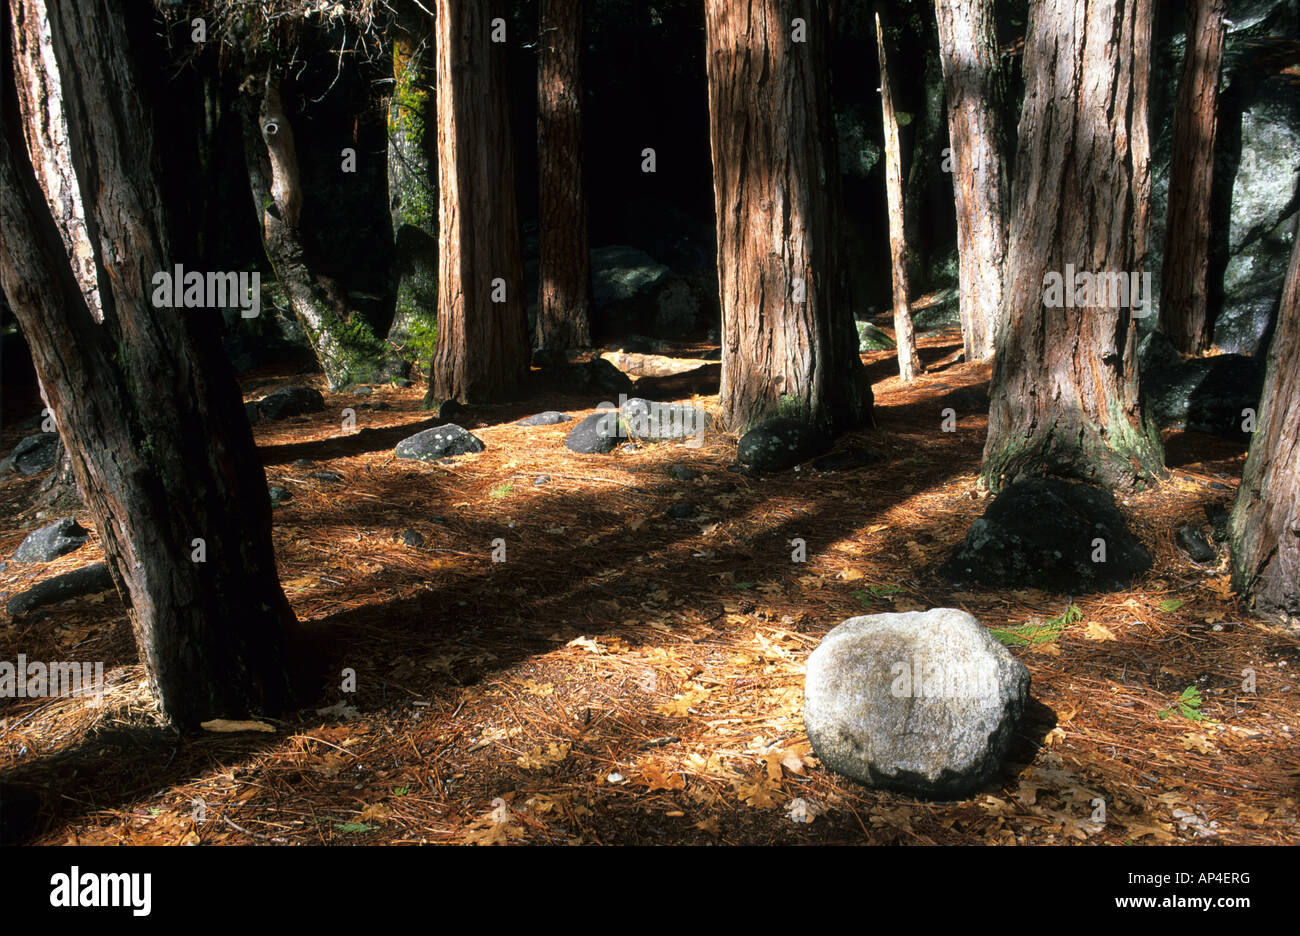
<point x="564" y="303"/>
<point x="974" y="87"/>
<point x="1265" y="523"/>
<point x="145" y="401"/>
<point x="1065" y="397"/>
<point x="909" y="364"/>
<point x="483" y="351"/>
<point x="1184" y="275"/>
<point x="789" y="346"/>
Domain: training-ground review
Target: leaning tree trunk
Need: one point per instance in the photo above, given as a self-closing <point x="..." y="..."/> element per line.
<point x="1184" y="286"/>
<point x="146" y="403"/>
<point x="789" y="346"/>
<point x="564" y="300"/>
<point x="413" y="188"/>
<point x="344" y="344"/>
<point x="974" y="86"/>
<point x="1064" y="397"/>
<point x="482" y="317"/>
<point x="909" y="364"/>
<point x="1265" y="523"/>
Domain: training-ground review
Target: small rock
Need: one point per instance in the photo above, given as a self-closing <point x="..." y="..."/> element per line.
<point x="412" y="538"/>
<point x="597" y="434"/>
<point x="548" y="418"/>
<point x="780" y="443"/>
<point x="49" y="542"/>
<point x="921" y="702"/>
<point x="332" y="477"/>
<point x="303" y="463"/>
<point x="664" y="422"/>
<point x="278" y="494"/>
<point x="542" y="479"/>
<point x="290" y="401"/>
<point x="34" y="454"/>
<point x="362" y="391"/>
<point x="402" y="383"/>
<point x="84" y="581"/>
<point x="439" y="442"/>
<point x="682" y="510"/>
<point x="682" y="473"/>
<point x="1193" y="542"/>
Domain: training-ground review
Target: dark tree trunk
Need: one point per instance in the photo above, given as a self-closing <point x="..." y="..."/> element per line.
<point x="789" y="346"/>
<point x="564" y="300"/>
<point x="974" y="86"/>
<point x="482" y="344"/>
<point x="145" y="402"/>
<point x="413" y="187"/>
<point x="345" y="346"/>
<point x="1184" y="287"/>
<point x="909" y="364"/>
<point x="1064" y="398"/>
<point x="1266" y="518"/>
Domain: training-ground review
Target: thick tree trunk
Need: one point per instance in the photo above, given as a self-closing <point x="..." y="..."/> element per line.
<point x="482" y="316"/>
<point x="1184" y="286"/>
<point x="789" y="346"/>
<point x="564" y="300"/>
<point x="145" y="402"/>
<point x="974" y="85"/>
<point x="413" y="188"/>
<point x="40" y="103"/>
<point x="345" y="346"/>
<point x="909" y="364"/>
<point x="1265" y="521"/>
<point x="1065" y="398"/>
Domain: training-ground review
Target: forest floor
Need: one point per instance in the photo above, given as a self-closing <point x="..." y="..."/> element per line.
<point x="624" y="677"/>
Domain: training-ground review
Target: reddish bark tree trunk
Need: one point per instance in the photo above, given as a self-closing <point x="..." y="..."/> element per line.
<point x="909" y="364"/>
<point x="1184" y="279"/>
<point x="788" y="341"/>
<point x="564" y="300"/>
<point x="1265" y="521"/>
<point x="482" y="320"/>
<point x="973" y="86"/>
<point x="146" y="402"/>
<point x="1065" y="397"/>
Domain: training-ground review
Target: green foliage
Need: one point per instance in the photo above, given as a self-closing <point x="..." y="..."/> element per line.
<point x="1188" y="705"/>
<point x="501" y="490"/>
<point x="874" y="593"/>
<point x="1032" y="635"/>
<point x="1170" y="605"/>
<point x="354" y="827"/>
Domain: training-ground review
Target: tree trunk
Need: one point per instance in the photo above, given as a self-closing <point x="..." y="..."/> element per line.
<point x="918" y="207"/>
<point x="974" y="86"/>
<point x="909" y="365"/>
<point x="1265" y="520"/>
<point x="482" y="317"/>
<point x="1184" y="280"/>
<point x="1065" y="397"/>
<point x="345" y="346"/>
<point x="789" y="346"/>
<point x="146" y="402"/>
<point x="413" y="188"/>
<point x="564" y="300"/>
<point x="40" y="104"/>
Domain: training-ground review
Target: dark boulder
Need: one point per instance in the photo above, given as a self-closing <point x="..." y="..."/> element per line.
<point x="1043" y="533"/>
<point x="780" y="443"/>
<point x="32" y="455"/>
<point x="290" y="401"/>
<point x="439" y="442"/>
<point x="52" y="541"/>
<point x="597" y="434"/>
